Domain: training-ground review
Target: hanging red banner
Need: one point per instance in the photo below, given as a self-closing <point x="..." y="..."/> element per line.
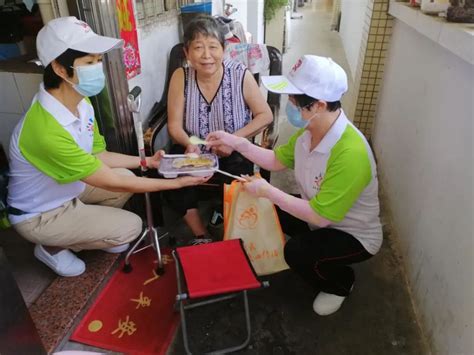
<point x="128" y="32"/>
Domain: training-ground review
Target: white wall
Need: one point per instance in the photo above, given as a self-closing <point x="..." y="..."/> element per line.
<point x="217" y="7"/>
<point x="250" y="15"/>
<point x="255" y="21"/>
<point x="423" y="141"/>
<point x="16" y="92"/>
<point x="274" y="30"/>
<point x="155" y="43"/>
<point x="352" y="23"/>
<point x="241" y="14"/>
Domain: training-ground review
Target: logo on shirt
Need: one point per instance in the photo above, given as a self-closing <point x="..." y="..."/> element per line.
<point x="90" y="126"/>
<point x="318" y="180"/>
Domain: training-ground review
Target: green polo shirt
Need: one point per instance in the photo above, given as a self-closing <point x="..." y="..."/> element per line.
<point x="338" y="178"/>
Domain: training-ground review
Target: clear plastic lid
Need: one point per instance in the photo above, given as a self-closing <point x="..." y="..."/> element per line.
<point x="173" y="165"/>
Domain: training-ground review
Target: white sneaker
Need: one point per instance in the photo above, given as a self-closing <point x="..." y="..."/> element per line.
<point x="65" y="263"/>
<point x="118" y="249"/>
<point x="326" y="303"/>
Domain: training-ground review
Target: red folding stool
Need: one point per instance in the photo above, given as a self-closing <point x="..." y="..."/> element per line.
<point x="220" y="268"/>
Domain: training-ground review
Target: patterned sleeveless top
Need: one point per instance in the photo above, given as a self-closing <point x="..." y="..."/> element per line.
<point x="226" y="112"/>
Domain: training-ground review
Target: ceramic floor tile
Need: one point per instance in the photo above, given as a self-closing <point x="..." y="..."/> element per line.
<point x="56" y="309"/>
<point x="31" y="276"/>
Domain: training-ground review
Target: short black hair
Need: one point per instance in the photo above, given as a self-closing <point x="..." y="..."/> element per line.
<point x="205" y="25"/>
<point x="50" y="79"/>
<point x="304" y="101"/>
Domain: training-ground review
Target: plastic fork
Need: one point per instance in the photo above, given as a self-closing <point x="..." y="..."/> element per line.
<point x="230" y="175"/>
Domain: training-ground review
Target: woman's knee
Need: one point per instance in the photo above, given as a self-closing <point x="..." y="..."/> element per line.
<point x="180" y="201"/>
<point x="132" y="225"/>
<point x="136" y="226"/>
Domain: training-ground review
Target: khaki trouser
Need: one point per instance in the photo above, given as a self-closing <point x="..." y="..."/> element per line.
<point x="93" y="220"/>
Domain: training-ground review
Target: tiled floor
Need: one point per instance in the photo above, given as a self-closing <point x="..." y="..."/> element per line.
<point x="59" y="306"/>
<point x="31" y="276"/>
<point x="53" y="302"/>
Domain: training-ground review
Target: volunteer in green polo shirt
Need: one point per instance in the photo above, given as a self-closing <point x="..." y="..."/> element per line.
<point x="335" y="221"/>
<point x="66" y="190"/>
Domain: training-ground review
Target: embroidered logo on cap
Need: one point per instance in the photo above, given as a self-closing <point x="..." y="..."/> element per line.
<point x="84" y="25"/>
<point x="297" y="65"/>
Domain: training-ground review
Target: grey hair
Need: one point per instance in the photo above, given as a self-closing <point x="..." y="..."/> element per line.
<point x="204" y="25"/>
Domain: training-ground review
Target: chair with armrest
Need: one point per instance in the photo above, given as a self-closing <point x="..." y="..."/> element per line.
<point x="156" y="136"/>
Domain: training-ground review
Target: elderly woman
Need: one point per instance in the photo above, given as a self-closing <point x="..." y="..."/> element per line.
<point x="212" y="94"/>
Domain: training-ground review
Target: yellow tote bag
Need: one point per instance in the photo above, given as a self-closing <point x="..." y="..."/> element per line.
<point x="255" y="221"/>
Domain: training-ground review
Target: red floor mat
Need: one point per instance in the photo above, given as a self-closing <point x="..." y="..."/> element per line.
<point x="134" y="312"/>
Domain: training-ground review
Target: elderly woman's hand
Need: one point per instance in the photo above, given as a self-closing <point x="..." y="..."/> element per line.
<point x="257" y="186"/>
<point x="221" y="138"/>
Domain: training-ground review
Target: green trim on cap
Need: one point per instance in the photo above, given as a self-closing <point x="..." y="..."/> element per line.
<point x="278" y="86"/>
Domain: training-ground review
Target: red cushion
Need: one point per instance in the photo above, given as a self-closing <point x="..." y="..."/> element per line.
<point x="216" y="268"/>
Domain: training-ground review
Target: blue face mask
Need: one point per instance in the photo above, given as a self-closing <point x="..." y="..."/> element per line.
<point x="91" y="79"/>
<point x="294" y="116"/>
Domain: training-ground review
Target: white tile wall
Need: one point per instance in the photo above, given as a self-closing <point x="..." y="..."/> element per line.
<point x="9" y="98"/>
<point x="16" y="92"/>
<point x="375" y="42"/>
<point x="8" y="122"/>
<point x="28" y="85"/>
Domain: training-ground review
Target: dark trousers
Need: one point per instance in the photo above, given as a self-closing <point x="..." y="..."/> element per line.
<point x="322" y="257"/>
<point x="187" y="198"/>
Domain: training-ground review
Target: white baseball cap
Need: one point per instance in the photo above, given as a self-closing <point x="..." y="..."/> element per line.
<point x="318" y="77"/>
<point x="64" y="33"/>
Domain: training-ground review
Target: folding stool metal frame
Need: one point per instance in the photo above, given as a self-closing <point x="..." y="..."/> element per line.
<point x="183" y="297"/>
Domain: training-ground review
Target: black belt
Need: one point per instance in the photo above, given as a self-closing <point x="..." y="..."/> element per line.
<point x="15" y="211"/>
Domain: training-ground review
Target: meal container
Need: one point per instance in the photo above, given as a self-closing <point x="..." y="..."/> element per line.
<point x="169" y="171"/>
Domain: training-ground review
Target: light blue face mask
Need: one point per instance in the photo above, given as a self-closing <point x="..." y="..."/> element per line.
<point x="91" y="79"/>
<point x="294" y="116"/>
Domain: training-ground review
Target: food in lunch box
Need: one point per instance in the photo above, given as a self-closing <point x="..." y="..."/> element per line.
<point x="189" y="162"/>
